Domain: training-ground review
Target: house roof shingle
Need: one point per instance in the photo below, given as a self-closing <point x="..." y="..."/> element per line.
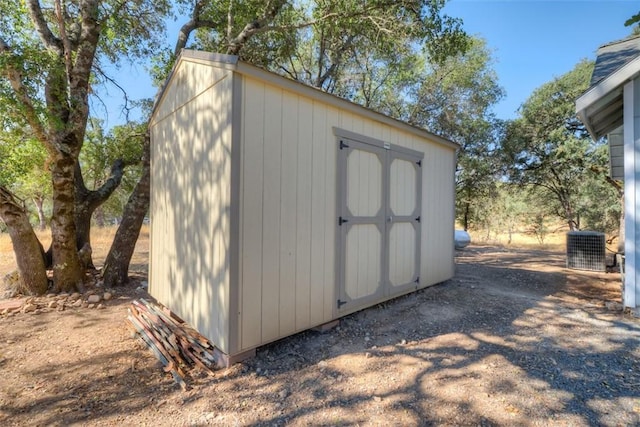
<point x="613" y="56"/>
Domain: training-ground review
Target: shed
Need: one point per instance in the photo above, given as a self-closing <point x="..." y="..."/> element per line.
<point x="611" y="108"/>
<point x="276" y="207"/>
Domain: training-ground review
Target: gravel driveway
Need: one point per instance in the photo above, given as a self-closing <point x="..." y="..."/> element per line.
<point x="514" y="339"/>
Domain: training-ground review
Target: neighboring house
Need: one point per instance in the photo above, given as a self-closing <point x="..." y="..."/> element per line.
<point x="611" y="108"/>
<point x="276" y="207"/>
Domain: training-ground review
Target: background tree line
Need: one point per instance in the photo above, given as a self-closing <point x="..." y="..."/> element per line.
<point x="59" y="166"/>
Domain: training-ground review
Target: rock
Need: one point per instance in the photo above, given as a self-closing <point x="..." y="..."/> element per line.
<point x="613" y="306"/>
<point x="52" y="304"/>
<point x="77" y="303"/>
<point x="377" y="398"/>
<point x="91" y="306"/>
<point x="101" y="307"/>
<point x="28" y="308"/>
<point x="107" y="296"/>
<point x="283" y="394"/>
<point x="61" y="307"/>
<point x="10" y="285"/>
<point x="93" y="299"/>
<point x="12" y="305"/>
<point x="75" y="296"/>
<point x="51" y="295"/>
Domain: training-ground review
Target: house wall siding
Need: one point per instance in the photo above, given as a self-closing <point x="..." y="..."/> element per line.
<point x="616" y="153"/>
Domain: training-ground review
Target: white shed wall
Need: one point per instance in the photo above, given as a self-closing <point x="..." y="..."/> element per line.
<point x="191" y="200"/>
<point x="288" y="209"/>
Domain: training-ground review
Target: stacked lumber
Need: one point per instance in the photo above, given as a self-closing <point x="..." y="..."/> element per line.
<point x="177" y="346"/>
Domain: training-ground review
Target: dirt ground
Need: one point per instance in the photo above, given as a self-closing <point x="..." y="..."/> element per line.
<point x="514" y="339"/>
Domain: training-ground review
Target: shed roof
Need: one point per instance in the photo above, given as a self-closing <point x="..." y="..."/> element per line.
<point x="234" y="63"/>
<point x="600" y="107"/>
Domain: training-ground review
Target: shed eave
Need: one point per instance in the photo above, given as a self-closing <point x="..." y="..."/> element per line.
<point x="315" y="93"/>
<point x="233" y="63"/>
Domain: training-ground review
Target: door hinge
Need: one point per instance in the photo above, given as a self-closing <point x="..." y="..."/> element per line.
<point x="418" y="279"/>
<point x="343" y="144"/>
<point x="342" y="220"/>
<point x="418" y="219"/>
<point x="419" y="163"/>
<point x="341" y="303"/>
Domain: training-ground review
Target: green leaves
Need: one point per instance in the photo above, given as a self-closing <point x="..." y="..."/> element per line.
<point x="549" y="149"/>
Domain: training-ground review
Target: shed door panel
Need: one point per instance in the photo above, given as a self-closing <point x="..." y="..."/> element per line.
<point x="405" y="184"/>
<point x="379" y="209"/>
<point x="361" y="222"/>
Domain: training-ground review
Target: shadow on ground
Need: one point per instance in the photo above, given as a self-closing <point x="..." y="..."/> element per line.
<point x="513" y="339"/>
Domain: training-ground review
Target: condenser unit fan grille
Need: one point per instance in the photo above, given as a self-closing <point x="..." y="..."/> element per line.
<point x="586" y="251"/>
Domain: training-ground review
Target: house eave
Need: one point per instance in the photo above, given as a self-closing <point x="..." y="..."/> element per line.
<point x="600" y="107"/>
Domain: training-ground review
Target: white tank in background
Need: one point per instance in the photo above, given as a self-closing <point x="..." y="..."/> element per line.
<point x="461" y="239"/>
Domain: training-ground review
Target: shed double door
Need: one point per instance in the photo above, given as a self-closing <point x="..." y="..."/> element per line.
<point x="379" y="205"/>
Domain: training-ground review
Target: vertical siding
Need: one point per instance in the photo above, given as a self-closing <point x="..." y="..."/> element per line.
<point x="288" y="205"/>
<point x="251" y="211"/>
<point x="271" y="233"/>
<point x="190" y="199"/>
<point x="302" y="231"/>
<point x="288" y="218"/>
<point x="438" y="192"/>
<point x="330" y="244"/>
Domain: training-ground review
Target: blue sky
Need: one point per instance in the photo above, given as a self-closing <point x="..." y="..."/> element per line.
<point x="534" y="41"/>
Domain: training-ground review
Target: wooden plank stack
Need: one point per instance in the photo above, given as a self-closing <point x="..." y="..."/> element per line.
<point x="178" y="346"/>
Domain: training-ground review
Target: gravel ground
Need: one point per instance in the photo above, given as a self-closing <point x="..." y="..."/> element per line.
<point x="514" y="339"/>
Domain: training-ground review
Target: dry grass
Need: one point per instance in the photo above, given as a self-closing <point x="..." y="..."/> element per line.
<point x="101" y="239"/>
<point x="555" y="241"/>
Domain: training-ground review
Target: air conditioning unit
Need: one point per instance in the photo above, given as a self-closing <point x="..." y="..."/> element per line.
<point x="586" y="251"/>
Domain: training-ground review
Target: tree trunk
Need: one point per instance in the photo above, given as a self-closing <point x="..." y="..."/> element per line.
<point x="116" y="266"/>
<point x="27" y="247"/>
<point x="67" y="271"/>
<point x="465" y="221"/>
<point x="99" y="217"/>
<point x="39" y="202"/>
<point x="88" y="201"/>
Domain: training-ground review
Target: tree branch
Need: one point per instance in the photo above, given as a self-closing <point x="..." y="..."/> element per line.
<point x="81" y="72"/>
<point x="272" y="8"/>
<point x="15" y="79"/>
<point x="63" y="34"/>
<point x="43" y="30"/>
<point x="193" y="24"/>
